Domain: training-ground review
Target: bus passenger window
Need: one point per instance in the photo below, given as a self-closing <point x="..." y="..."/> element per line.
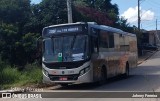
<point x="103" y="41"/>
<point x="111" y="40"/>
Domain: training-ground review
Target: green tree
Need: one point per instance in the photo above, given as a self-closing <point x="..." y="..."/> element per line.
<point x="14" y="11"/>
<point x="48" y="12"/>
<point x="8" y="37"/>
<point x="17" y="49"/>
<point x="21" y="23"/>
<point x="29" y="45"/>
<point x="53" y="12"/>
<point x="16" y="43"/>
<point x="124" y="25"/>
<point x="100" y="11"/>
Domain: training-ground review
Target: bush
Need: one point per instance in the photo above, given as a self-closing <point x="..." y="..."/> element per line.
<point x="11" y="76"/>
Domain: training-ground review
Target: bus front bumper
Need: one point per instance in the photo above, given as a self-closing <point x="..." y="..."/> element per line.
<point x="85" y="78"/>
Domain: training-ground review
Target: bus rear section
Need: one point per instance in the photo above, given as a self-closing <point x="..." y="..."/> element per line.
<point x="114" y="52"/>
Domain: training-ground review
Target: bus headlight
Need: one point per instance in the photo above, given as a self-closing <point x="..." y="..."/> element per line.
<point x="45" y="72"/>
<point x="83" y="71"/>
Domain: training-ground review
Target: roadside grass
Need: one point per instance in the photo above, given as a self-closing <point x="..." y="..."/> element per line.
<point x="12" y="77"/>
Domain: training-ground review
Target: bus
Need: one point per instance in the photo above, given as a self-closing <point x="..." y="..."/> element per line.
<point x="85" y="52"/>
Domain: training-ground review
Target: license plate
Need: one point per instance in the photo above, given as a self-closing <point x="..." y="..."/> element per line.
<point x="63" y="78"/>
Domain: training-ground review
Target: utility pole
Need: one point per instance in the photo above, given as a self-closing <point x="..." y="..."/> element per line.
<point x="156" y="34"/>
<point x="156" y="25"/>
<point x="139" y="19"/>
<point x="69" y="9"/>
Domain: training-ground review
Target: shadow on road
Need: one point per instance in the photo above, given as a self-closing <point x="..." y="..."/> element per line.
<point x="92" y="86"/>
<point x="146" y="70"/>
<point x="134" y="83"/>
<point x="137" y="82"/>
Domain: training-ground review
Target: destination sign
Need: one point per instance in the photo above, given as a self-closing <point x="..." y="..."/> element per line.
<point x="63" y="29"/>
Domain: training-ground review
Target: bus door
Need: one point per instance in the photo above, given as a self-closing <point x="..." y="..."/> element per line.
<point x="94" y="44"/>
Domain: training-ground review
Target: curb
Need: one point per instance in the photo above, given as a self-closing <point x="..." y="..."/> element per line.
<point x="147" y="58"/>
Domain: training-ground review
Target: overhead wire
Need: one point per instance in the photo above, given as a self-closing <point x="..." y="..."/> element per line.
<point x="154" y="6"/>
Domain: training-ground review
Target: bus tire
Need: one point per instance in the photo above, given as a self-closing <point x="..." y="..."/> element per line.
<point x="126" y="74"/>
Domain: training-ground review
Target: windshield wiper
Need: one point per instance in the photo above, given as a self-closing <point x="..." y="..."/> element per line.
<point x="52" y="38"/>
<point x="72" y="44"/>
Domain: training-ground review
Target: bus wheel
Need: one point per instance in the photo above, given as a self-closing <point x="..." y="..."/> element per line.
<point x="127" y="70"/>
<point x="103" y="76"/>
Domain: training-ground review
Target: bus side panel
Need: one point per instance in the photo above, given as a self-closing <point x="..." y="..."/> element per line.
<point x="121" y="43"/>
<point x="106" y="59"/>
<point x="96" y="67"/>
<point x="133" y="51"/>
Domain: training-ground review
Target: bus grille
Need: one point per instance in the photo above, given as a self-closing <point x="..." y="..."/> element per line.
<point x="69" y="77"/>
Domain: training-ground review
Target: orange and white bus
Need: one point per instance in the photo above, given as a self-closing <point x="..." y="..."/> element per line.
<point x="86" y="52"/>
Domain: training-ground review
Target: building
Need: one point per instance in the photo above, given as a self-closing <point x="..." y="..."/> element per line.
<point x="154" y="37"/>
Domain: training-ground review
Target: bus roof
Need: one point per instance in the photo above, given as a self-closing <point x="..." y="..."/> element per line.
<point x="66" y="24"/>
<point x="111" y="29"/>
<point x="95" y="25"/>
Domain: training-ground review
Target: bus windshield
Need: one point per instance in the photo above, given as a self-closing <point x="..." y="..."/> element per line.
<point x="65" y="48"/>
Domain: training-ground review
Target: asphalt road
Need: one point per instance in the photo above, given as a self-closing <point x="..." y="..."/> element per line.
<point x="144" y="78"/>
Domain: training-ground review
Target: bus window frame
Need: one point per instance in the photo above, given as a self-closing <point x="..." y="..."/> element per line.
<point x="96" y="36"/>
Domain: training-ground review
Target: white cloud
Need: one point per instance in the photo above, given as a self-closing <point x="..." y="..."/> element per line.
<point x="147" y="15"/>
<point x="132" y="14"/>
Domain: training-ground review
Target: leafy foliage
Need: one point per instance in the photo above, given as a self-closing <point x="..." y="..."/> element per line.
<point x="14" y="11"/>
<point x="12" y="77"/>
<point x="21" y="23"/>
<point x="103" y="8"/>
<point x="15" y="48"/>
<point x="8" y="37"/>
<point x="94" y="15"/>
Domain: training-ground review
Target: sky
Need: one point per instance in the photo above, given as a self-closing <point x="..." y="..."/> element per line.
<point x="149" y="11"/>
<point x="35" y="1"/>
